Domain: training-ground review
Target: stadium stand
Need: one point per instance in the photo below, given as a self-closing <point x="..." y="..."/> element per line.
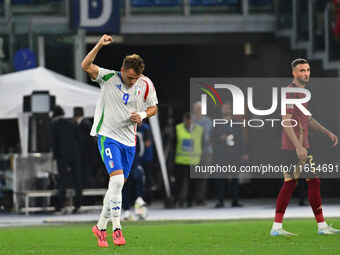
<point x="142" y="3"/>
<point x="168" y="2"/>
<point x="212" y="2"/>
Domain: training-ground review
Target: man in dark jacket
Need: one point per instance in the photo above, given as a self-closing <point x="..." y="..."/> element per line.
<point x="65" y="145"/>
<point x="88" y="148"/>
<point x="229" y="149"/>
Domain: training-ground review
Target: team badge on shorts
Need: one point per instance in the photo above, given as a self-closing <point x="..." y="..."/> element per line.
<point x="111" y="164"/>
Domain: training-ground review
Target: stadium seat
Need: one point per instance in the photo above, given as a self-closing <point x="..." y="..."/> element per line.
<point x="212" y="2"/>
<point x="142" y="3"/>
<point x="168" y="2"/>
<point x="22" y="1"/>
<point x="231" y="2"/>
<point x="260" y="2"/>
<point x="195" y="2"/>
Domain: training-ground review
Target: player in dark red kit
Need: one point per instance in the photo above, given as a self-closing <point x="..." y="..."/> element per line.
<point x="296" y="151"/>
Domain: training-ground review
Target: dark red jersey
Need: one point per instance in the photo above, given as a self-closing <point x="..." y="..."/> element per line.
<point x="301" y="129"/>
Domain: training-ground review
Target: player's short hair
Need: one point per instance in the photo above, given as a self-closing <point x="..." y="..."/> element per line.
<point x="78" y="111"/>
<point x="298" y="61"/>
<point x="135" y="62"/>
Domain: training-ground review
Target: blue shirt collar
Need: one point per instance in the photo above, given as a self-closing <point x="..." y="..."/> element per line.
<point x="120" y="76"/>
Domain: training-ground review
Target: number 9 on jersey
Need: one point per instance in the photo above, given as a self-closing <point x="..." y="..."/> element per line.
<point x="126" y="98"/>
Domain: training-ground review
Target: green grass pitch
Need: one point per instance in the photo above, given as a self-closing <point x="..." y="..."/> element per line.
<point x="174" y="237"/>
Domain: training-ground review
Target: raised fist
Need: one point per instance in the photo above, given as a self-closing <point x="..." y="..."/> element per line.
<point x="105" y="40"/>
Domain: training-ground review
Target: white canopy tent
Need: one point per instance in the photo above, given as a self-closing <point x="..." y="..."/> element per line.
<point x="68" y="92"/>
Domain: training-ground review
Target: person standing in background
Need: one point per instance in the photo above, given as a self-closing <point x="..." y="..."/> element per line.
<point x="229" y="148"/>
<point x="146" y="160"/>
<point x="206" y="123"/>
<point x="138" y="179"/>
<point x="66" y="151"/>
<point x="188" y="152"/>
<point x="88" y="148"/>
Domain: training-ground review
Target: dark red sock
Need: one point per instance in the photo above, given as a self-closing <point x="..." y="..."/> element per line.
<point x="283" y="199"/>
<point x="314" y="198"/>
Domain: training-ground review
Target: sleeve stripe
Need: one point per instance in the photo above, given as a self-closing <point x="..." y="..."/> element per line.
<point x="146" y="91"/>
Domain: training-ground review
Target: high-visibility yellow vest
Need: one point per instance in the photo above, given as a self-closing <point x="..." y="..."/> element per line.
<point x="189" y="146"/>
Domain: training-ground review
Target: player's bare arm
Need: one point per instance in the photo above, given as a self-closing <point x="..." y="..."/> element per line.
<point x="300" y="150"/>
<point x="139" y="116"/>
<point x="315" y="125"/>
<point x="87" y="64"/>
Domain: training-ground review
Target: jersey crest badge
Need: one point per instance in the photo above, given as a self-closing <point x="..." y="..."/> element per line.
<point x="137" y="90"/>
<point x="119" y="86"/>
<point x="111" y="164"/>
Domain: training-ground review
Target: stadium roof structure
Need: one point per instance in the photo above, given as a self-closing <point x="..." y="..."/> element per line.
<point x="68" y="92"/>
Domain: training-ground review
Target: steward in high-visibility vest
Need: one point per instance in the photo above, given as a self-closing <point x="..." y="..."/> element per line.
<point x="189" y="144"/>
